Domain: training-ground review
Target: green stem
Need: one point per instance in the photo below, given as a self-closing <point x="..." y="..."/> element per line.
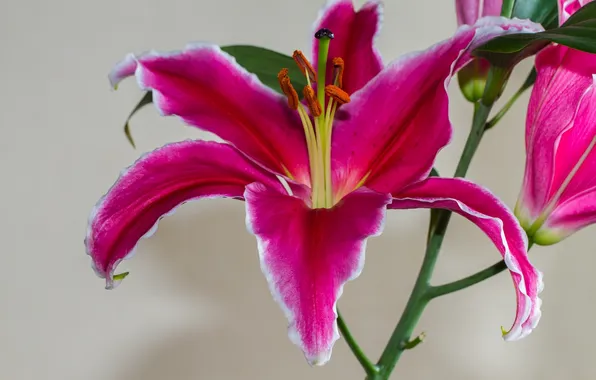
<point x="481" y="113"/>
<point x="421" y="294"/>
<point x="441" y="290"/>
<point x="527" y="84"/>
<point x="370" y="368"/>
<point x="507" y="8"/>
<point x="416" y="304"/>
<point x="466" y="282"/>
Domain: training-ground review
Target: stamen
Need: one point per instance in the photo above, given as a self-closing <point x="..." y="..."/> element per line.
<point x="313" y="104"/>
<point x="304" y="65"/>
<point x="283" y="73"/>
<point x="338" y="71"/>
<point x="288" y="89"/>
<point x="291" y="93"/>
<point x="336" y="93"/>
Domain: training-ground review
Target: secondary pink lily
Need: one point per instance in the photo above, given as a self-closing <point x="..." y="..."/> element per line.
<point x="363" y="143"/>
<point x="559" y="189"/>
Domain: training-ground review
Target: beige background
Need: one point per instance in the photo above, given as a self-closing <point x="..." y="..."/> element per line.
<point x="196" y="305"/>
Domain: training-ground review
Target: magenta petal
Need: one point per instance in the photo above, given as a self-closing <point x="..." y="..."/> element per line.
<point x="498" y="223"/>
<point x="569" y="217"/>
<point x="355" y="34"/>
<point x="571" y="201"/>
<point x="559" y="130"/>
<point x="569" y="7"/>
<point x="491" y="7"/>
<point x="469" y="11"/>
<point x="122" y="70"/>
<point x="206" y="88"/>
<point x="576" y="145"/>
<point x="394" y="126"/>
<point x="308" y="255"/>
<point x="156" y="184"/>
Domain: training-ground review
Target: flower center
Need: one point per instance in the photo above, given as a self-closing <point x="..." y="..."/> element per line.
<point x="322" y="102"/>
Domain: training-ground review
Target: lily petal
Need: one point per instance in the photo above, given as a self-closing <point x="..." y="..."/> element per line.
<point x="498" y="223"/>
<point x="122" y="70"/>
<point x="156" y="184"/>
<point x="207" y="89"/>
<point x="573" y="189"/>
<point x="575" y="147"/>
<point x="355" y="34"/>
<point x="557" y="134"/>
<point x="569" y="7"/>
<point x="308" y="255"/>
<point x="569" y="217"/>
<point x="469" y="11"/>
<point x="394" y="127"/>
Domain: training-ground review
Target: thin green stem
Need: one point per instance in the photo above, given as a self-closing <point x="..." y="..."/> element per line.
<point x="493" y="270"/>
<point x="481" y="113"/>
<point x="466" y="282"/>
<point x="526" y="85"/>
<point x="416" y="304"/>
<point x="369" y="367"/>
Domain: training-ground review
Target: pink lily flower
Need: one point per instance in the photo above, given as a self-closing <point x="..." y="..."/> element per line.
<point x="472" y="78"/>
<point x="316" y="176"/>
<point x="558" y="196"/>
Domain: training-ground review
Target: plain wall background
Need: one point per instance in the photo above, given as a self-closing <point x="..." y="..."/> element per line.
<point x="196" y="305"/>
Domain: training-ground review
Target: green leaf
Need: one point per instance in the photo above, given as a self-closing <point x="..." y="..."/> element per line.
<point x="544" y="12"/>
<point x="579" y="32"/>
<point x="264" y="63"/>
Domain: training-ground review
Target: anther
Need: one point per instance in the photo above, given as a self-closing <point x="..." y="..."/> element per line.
<point x="283" y="73"/>
<point x="291" y="93"/>
<point x="324" y="33"/>
<point x="336" y="93"/>
<point x="288" y="89"/>
<point x="311" y="99"/>
<point x="338" y="71"/>
<point x="304" y="65"/>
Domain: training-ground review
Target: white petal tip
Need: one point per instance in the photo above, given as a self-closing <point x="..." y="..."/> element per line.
<point x="519" y="333"/>
<point x="511" y="335"/>
<point x="112" y="283"/>
<point x="320" y="359"/>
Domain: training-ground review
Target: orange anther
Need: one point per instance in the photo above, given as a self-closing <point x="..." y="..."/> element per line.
<point x="338" y="71"/>
<point x="334" y="92"/>
<point x="288" y="89"/>
<point x="283" y="73"/>
<point x="304" y="65"/>
<point x="312" y="102"/>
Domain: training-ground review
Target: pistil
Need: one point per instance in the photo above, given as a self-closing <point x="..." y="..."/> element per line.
<point x="322" y="110"/>
<point x="324" y="36"/>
